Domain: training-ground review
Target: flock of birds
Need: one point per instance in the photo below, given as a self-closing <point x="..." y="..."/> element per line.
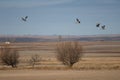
<point x="77" y="20"/>
<point x="97" y="25"/>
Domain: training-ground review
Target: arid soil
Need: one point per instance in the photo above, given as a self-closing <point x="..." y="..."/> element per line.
<point x="59" y="75"/>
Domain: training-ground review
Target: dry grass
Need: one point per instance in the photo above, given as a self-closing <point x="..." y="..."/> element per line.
<point x="97" y="56"/>
<point x="103" y="63"/>
<point x="99" y="63"/>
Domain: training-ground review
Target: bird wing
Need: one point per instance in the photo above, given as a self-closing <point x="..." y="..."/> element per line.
<point x="103" y="27"/>
<point x="23" y="19"/>
<point x="77" y="20"/>
<point x="26" y="17"/>
<point x="97" y="25"/>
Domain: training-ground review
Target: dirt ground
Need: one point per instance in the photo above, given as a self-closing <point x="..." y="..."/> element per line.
<point x="59" y="75"/>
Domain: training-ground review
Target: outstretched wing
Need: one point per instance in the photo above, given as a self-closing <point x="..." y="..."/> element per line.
<point x="26" y="17"/>
<point x="98" y="25"/>
<point x="103" y="27"/>
<point x="23" y="19"/>
<point x="78" y="21"/>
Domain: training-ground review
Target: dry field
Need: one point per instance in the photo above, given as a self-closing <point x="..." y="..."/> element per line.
<point x="100" y="61"/>
<point x="96" y="55"/>
<point x="59" y="75"/>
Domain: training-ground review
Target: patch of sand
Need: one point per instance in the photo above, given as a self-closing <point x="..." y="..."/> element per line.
<point x="59" y="75"/>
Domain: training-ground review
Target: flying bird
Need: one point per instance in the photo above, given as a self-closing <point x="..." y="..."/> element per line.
<point x="103" y="27"/>
<point x="98" y="25"/>
<point x="78" y="21"/>
<point x="25" y="18"/>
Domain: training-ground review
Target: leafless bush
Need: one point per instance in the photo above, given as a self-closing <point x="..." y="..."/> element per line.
<point x="9" y="56"/>
<point x="34" y="59"/>
<point x="69" y="53"/>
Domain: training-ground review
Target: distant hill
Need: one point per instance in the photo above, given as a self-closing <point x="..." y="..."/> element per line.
<point x="53" y="38"/>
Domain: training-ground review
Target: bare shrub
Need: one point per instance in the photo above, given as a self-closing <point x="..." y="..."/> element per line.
<point x="34" y="59"/>
<point x="9" y="56"/>
<point x="69" y="53"/>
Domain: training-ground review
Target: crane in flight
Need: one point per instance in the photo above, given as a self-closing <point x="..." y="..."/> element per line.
<point x="103" y="27"/>
<point x="78" y="21"/>
<point x="98" y="25"/>
<point x="24" y="18"/>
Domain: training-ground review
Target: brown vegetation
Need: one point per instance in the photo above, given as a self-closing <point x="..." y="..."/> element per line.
<point x="95" y="55"/>
<point x="68" y="53"/>
<point x="34" y="59"/>
<point x="9" y="56"/>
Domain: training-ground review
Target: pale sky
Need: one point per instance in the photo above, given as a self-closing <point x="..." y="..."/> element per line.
<point x="58" y="17"/>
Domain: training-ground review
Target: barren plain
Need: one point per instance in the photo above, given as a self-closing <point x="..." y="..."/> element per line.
<point x="60" y="75"/>
<point x="100" y="61"/>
